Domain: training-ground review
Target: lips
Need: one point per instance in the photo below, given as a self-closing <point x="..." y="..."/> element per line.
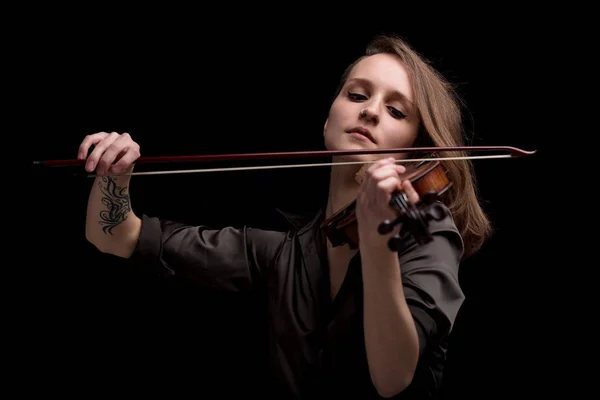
<point x="362" y="131"/>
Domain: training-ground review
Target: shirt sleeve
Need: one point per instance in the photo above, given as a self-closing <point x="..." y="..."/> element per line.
<point x="430" y="282"/>
<point x="230" y="259"/>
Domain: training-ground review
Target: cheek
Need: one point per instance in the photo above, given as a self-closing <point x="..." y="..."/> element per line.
<point x="336" y="113"/>
<point x="335" y="120"/>
<point x="404" y="136"/>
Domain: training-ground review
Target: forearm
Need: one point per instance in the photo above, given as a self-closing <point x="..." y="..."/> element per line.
<point x="111" y="225"/>
<point x="391" y="339"/>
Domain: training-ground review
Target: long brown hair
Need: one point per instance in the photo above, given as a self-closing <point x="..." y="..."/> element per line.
<point x="441" y="124"/>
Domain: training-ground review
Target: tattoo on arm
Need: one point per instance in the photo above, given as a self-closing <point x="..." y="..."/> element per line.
<point x="116" y="200"/>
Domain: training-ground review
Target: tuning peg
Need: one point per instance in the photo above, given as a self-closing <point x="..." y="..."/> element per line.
<point x="395" y="242"/>
<point x="430" y="198"/>
<point x="387" y="226"/>
<point x="434" y="212"/>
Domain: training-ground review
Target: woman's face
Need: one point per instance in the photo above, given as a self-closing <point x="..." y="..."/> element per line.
<point x="374" y="109"/>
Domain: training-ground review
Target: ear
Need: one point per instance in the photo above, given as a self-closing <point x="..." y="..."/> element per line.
<point x="325" y="125"/>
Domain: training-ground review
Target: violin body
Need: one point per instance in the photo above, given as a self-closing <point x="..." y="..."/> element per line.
<point x="430" y="181"/>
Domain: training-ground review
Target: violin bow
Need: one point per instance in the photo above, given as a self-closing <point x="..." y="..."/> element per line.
<point x="509" y="152"/>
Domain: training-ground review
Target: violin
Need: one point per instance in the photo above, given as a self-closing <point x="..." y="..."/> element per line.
<point x="429" y="180"/>
<point x="427" y="176"/>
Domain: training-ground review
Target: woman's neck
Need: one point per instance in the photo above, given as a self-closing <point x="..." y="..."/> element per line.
<point x="343" y="187"/>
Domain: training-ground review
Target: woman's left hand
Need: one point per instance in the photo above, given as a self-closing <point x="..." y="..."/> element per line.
<point x="372" y="202"/>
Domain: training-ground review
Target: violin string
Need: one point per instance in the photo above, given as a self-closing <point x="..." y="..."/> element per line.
<point x="189" y="171"/>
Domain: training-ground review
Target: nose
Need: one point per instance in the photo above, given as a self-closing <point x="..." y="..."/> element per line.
<point x="368" y="114"/>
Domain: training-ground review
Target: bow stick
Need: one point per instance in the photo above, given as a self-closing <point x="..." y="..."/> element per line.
<point x="510" y="152"/>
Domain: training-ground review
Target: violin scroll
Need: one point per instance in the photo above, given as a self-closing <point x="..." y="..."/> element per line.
<point x="413" y="219"/>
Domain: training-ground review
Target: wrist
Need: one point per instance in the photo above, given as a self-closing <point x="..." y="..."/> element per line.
<point x="372" y="239"/>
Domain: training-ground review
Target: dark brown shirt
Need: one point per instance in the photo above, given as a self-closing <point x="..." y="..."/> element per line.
<point x="316" y="346"/>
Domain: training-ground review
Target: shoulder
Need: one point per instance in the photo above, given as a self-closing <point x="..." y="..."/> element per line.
<point x="444" y="249"/>
<point x="430" y="278"/>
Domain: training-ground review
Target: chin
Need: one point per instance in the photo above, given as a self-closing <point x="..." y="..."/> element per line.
<point x="356" y="157"/>
<point x="349" y="143"/>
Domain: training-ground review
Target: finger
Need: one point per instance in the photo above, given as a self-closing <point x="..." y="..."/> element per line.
<point x="371" y="185"/>
<point x="381" y="174"/>
<point x="388" y="185"/>
<point x="96" y="154"/>
<point x="87" y="142"/>
<point x="113" y="152"/>
<point x="126" y="160"/>
<point x="411" y="193"/>
<point x="391" y="163"/>
<point x="387" y="170"/>
<point x="380" y="163"/>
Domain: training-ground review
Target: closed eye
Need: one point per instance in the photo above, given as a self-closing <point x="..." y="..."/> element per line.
<point x="394" y="111"/>
<point x="356" y="96"/>
<point x="397" y="113"/>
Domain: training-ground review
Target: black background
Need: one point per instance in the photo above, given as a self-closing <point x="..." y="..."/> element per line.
<point x="184" y="88"/>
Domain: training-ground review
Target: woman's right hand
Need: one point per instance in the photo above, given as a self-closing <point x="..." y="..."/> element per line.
<point x="113" y="153"/>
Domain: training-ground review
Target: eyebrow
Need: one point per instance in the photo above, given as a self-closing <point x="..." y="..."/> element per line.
<point x="396" y="92"/>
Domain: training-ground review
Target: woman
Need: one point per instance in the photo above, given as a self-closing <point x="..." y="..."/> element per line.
<point x="366" y="322"/>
